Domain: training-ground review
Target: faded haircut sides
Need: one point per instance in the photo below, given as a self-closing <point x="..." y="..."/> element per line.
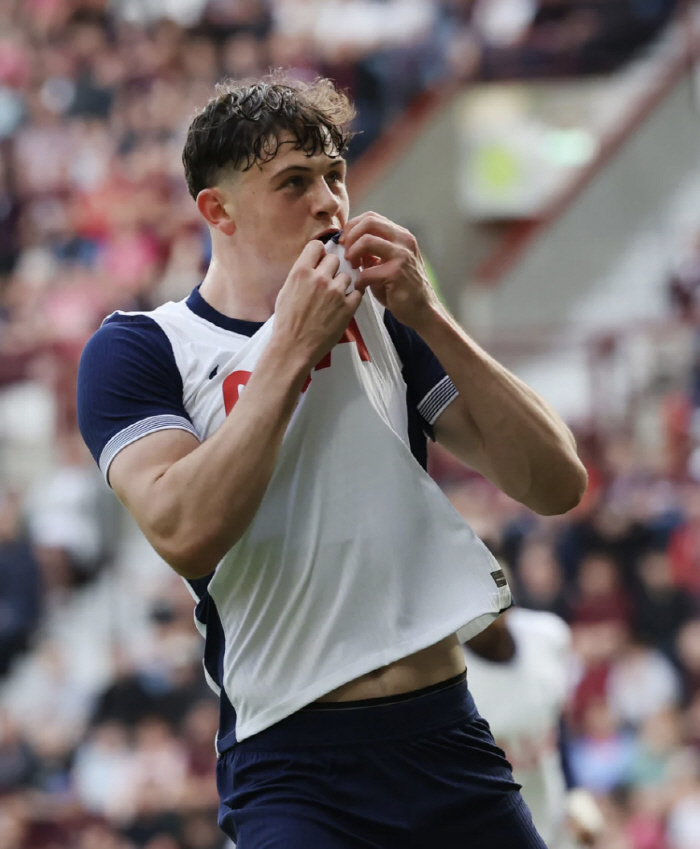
<point x="243" y="123"/>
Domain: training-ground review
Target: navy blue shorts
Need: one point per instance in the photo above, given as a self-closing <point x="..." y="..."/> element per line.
<point x="417" y="771"/>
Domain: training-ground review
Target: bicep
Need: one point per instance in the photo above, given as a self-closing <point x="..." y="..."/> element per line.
<point x="456" y="431"/>
<point x="138" y="468"/>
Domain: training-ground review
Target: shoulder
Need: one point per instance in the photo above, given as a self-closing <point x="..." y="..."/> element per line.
<point x="129" y="338"/>
<point x="129" y="385"/>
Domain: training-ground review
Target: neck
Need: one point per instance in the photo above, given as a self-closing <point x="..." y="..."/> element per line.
<point x="235" y="291"/>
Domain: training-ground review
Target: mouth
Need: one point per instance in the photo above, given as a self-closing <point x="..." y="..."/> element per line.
<point x="328" y="235"/>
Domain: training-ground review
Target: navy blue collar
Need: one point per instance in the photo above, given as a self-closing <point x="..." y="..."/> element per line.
<point x="204" y="310"/>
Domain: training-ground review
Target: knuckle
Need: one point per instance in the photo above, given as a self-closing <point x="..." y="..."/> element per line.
<point x="339" y="283"/>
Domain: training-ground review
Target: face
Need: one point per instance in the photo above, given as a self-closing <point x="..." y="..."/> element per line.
<point x="281" y="205"/>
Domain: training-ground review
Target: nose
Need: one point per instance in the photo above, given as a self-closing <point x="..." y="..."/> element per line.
<point x="324" y="201"/>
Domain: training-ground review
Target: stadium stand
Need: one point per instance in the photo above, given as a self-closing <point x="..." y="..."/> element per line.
<point x="106" y="723"/>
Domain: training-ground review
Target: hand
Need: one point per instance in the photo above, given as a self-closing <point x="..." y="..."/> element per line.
<point x="312" y="310"/>
<point x="584" y="816"/>
<point x="392" y="265"/>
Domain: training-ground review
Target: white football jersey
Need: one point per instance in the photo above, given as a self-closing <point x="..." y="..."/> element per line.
<point x="354" y="559"/>
<point x="522" y="700"/>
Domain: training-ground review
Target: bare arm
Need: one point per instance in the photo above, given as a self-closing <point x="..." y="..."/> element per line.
<point x="498" y="425"/>
<point x="501" y="427"/>
<point x="194" y="501"/>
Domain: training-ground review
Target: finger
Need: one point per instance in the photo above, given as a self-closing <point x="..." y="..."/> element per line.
<point x="364" y="219"/>
<point x="378" y="225"/>
<point x="377" y="275"/>
<point x="368" y="221"/>
<point x="313" y="252"/>
<point x="341" y="282"/>
<point x="372" y="246"/>
<point x="329" y="264"/>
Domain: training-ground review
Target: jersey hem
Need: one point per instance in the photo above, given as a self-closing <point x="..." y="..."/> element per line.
<point x="299" y="700"/>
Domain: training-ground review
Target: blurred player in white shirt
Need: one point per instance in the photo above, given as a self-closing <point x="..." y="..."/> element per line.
<point x="519" y="673"/>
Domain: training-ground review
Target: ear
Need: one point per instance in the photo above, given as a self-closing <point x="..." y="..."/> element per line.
<point x="215" y="211"/>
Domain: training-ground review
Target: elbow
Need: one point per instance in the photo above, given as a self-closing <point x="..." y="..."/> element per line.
<point x="191" y="541"/>
<point x="189" y="562"/>
<point x="192" y="553"/>
<point x="563" y="492"/>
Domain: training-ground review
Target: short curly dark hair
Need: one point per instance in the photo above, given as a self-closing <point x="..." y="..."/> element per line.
<point x="243" y="123"/>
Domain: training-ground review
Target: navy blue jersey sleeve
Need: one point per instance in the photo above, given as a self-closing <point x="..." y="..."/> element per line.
<point x="128" y="386"/>
<point x="429" y="388"/>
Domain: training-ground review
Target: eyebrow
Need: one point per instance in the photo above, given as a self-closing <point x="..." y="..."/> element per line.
<point x="306" y="168"/>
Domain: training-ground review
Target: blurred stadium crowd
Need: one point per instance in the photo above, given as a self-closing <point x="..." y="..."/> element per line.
<point x="95" y="97"/>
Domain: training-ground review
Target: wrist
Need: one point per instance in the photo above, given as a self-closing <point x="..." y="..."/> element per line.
<point x="289" y="358"/>
<point x="431" y="320"/>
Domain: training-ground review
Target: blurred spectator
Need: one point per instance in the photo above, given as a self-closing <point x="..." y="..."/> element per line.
<point x="198" y="731"/>
<point x="684" y="544"/>
<point x="684" y="814"/>
<point x="684" y="283"/>
<point x="687" y="651"/>
<point x="18" y="762"/>
<point x="72" y="516"/>
<point x="600" y="596"/>
<point x="602" y="755"/>
<point x="127" y="698"/>
<point x="660" y="737"/>
<point x="20" y="582"/>
<point x="539" y="584"/>
<point x="50" y="704"/>
<point x="535" y="38"/>
<point x="641" y="683"/>
<point x="644" y="812"/>
<point x="661" y="608"/>
<point x="102" y="770"/>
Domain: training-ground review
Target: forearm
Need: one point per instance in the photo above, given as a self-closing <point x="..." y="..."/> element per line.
<point x="202" y="504"/>
<point x="509" y="433"/>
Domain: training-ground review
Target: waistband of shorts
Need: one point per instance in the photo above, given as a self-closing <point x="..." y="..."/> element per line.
<point x="341" y="723"/>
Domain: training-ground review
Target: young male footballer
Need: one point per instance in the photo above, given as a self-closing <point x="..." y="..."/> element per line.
<point x="268" y="434"/>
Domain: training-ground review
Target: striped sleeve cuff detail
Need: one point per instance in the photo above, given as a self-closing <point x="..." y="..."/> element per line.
<point x="439" y="397"/>
<point x="138" y="430"/>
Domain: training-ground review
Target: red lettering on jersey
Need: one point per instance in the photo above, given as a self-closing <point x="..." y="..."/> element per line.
<point x="232" y="387"/>
<point x="352" y="334"/>
<point x="325" y="361"/>
<point x="235" y="382"/>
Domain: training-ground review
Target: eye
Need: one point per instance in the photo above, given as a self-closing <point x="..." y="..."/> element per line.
<point x="293" y="183"/>
<point x="335" y="177"/>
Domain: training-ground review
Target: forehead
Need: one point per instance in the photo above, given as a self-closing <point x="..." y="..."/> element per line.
<point x="289" y="153"/>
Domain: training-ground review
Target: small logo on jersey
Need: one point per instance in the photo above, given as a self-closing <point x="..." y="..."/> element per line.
<point x="499" y="578"/>
<point x="213" y="372"/>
